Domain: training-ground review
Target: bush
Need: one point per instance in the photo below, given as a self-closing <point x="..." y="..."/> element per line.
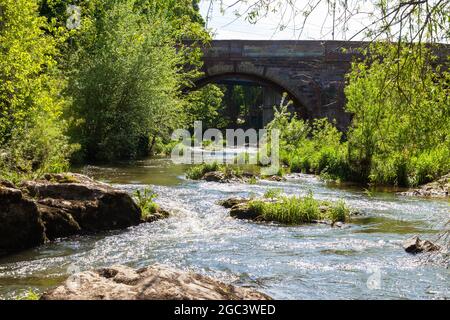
<point x="145" y="201"/>
<point x="429" y="165"/>
<point x="339" y="212"/>
<point x="400" y="129"/>
<point x="311" y="148"/>
<point x="197" y="172"/>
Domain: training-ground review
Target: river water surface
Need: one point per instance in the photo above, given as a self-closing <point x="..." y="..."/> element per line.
<point x="365" y="260"/>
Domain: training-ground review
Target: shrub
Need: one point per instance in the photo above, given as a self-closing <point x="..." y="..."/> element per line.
<point x="401" y="120"/>
<point x="273" y="193"/>
<point x="146" y="201"/>
<point x="339" y="212"/>
<point x="197" y="172"/>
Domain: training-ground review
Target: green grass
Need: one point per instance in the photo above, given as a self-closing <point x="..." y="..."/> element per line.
<point x="28" y="295"/>
<point x="299" y="210"/>
<point x="197" y="172"/>
<point x="145" y="201"/>
<point x="273" y="193"/>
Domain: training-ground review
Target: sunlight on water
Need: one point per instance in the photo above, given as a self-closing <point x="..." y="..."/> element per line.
<point x="305" y="262"/>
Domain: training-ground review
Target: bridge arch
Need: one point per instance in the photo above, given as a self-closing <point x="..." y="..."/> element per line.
<point x="238" y="77"/>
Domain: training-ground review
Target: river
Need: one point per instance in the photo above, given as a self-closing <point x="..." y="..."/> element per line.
<point x="364" y="260"/>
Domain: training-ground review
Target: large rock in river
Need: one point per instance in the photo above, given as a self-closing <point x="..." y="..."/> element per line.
<point x="152" y="283"/>
<point x="60" y="205"/>
<point x="415" y="245"/>
<point x="21" y="226"/>
<point x="73" y="203"/>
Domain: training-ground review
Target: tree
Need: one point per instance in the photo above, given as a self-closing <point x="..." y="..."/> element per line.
<point x="411" y="20"/>
<point x="31" y="130"/>
<point x="205" y="105"/>
<point x="400" y="101"/>
<point x="127" y="76"/>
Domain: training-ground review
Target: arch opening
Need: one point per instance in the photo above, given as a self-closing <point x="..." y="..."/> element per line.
<point x="271" y="95"/>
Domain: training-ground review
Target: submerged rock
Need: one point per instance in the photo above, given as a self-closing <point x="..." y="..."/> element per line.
<point x="415" y="245"/>
<point x="275" y="178"/>
<point x="152" y="283"/>
<point x="436" y="189"/>
<point x="21" y="226"/>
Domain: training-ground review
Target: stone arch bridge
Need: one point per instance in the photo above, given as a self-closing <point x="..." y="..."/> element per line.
<point x="311" y="72"/>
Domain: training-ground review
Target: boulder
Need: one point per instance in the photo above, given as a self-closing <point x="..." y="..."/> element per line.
<point x="244" y="211"/>
<point x="21" y="226"/>
<point x="230" y="203"/>
<point x="415" y="245"/>
<point x="60" y="205"/>
<point x="228" y="177"/>
<point x="73" y="203"/>
<point x="151" y="283"/>
<point x="215" y="176"/>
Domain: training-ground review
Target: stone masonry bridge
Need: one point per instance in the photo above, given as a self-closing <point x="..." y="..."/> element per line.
<point x="311" y="72"/>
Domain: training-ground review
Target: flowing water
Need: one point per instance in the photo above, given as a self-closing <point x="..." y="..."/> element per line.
<point x="364" y="260"/>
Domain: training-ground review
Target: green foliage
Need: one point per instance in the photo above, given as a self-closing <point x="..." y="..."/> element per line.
<point x="252" y="180"/>
<point x="205" y="105"/>
<point x="146" y="201"/>
<point x="30" y="295"/>
<point x="310" y="147"/>
<point x="399" y="135"/>
<point x="127" y="84"/>
<point x="273" y="193"/>
<point x="401" y="125"/>
<point x="339" y="212"/>
<point x="31" y="129"/>
<point x="197" y="172"/>
<point x="299" y="210"/>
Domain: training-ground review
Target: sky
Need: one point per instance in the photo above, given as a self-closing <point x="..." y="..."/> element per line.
<point x="319" y="26"/>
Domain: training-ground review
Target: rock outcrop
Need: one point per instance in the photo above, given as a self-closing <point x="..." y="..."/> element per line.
<point x="152" y="283"/>
<point x="436" y="189"/>
<point x="75" y="203"/>
<point x="21" y="226"/>
<point x="60" y="205"/>
<point x="415" y="245"/>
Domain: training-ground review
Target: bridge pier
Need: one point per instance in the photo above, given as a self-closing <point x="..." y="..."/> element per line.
<point x="271" y="98"/>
